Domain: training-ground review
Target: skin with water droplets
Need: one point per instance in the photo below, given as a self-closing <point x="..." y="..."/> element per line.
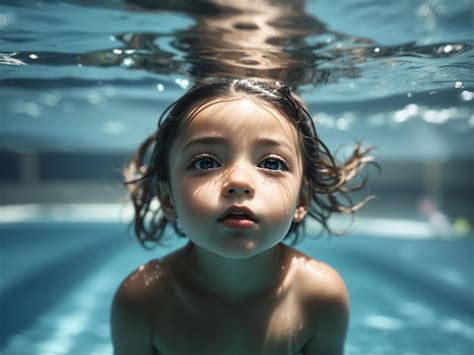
<point x="279" y="321"/>
<point x="229" y="290"/>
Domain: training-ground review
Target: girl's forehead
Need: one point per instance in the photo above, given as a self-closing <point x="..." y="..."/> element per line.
<point x="239" y="118"/>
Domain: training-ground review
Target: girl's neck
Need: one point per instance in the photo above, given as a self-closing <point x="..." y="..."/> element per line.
<point x="235" y="279"/>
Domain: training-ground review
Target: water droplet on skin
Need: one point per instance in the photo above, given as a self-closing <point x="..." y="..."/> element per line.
<point x="458" y="84"/>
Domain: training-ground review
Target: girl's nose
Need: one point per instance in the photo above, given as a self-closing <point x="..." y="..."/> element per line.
<point x="238" y="184"/>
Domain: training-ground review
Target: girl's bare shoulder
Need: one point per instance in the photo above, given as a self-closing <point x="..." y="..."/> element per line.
<point x="151" y="282"/>
<point x="315" y="280"/>
<point x="137" y="304"/>
<point x="145" y="283"/>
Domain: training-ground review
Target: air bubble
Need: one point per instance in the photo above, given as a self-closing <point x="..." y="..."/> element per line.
<point x="128" y="62"/>
<point x="458" y="85"/>
<point x="467" y="95"/>
<point x="49" y="99"/>
<point x="448" y="48"/>
<point x="33" y="56"/>
<point x="377" y="49"/>
<point x="184" y="83"/>
<point x="3" y="20"/>
<point x="160" y="87"/>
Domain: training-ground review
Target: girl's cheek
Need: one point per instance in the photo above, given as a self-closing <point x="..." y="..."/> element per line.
<point x="196" y="195"/>
<point x="282" y="191"/>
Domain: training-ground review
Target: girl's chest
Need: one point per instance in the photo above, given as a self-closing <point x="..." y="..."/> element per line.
<point x="264" y="327"/>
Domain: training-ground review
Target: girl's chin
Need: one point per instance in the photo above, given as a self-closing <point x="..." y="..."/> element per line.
<point x="236" y="248"/>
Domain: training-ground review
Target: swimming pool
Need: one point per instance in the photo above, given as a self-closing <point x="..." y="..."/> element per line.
<point x="407" y="296"/>
<point x="83" y="82"/>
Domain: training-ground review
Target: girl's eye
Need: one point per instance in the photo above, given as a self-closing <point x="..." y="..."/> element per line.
<point x="273" y="164"/>
<point x="205" y="163"/>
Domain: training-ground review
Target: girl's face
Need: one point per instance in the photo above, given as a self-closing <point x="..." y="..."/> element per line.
<point x="240" y="154"/>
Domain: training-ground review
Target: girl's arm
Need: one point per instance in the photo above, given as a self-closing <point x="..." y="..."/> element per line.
<point x="130" y="326"/>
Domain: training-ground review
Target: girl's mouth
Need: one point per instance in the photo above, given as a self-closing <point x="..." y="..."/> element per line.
<point x="241" y="221"/>
<point x="240" y="217"/>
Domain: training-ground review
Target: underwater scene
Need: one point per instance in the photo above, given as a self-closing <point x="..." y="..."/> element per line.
<point x="83" y="83"/>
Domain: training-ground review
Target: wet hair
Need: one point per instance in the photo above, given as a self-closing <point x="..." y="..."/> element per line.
<point x="330" y="184"/>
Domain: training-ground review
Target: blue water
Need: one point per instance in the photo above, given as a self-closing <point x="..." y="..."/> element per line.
<point x="95" y="76"/>
<point x="83" y="82"/>
<point x="407" y="296"/>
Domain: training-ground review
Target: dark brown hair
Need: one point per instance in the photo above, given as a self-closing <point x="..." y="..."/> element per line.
<point x="330" y="184"/>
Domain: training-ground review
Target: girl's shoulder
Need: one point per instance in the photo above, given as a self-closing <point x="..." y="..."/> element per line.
<point x="150" y="282"/>
<point x="143" y="286"/>
<point x="315" y="280"/>
<point x="138" y="302"/>
<point x="324" y="301"/>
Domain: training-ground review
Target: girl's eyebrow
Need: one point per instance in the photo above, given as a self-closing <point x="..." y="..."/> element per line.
<point x="273" y="143"/>
<point x="218" y="140"/>
<point x="210" y="140"/>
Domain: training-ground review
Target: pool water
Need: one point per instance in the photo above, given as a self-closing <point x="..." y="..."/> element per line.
<point x="83" y="82"/>
<point x="407" y="296"/>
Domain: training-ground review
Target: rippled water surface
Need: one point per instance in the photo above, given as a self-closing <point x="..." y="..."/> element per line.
<point x="81" y="74"/>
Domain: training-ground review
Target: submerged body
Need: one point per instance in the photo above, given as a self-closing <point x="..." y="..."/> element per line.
<point x="161" y="309"/>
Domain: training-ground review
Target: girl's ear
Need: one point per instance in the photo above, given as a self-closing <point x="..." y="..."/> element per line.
<point x="166" y="201"/>
<point x="304" y="201"/>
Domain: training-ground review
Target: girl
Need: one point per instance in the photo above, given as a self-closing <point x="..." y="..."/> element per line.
<point x="236" y="166"/>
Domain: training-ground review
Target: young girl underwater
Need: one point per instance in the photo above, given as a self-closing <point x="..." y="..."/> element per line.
<point x="236" y="167"/>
